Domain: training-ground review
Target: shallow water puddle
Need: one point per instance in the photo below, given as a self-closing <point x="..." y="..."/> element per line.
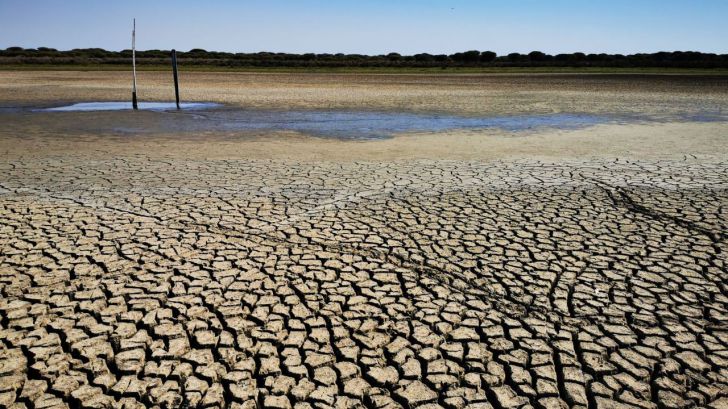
<point x="365" y="124"/>
<point x="202" y="117"/>
<point x="120" y="106"/>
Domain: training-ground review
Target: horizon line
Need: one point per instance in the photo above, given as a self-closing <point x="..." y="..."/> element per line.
<point x="44" y="48"/>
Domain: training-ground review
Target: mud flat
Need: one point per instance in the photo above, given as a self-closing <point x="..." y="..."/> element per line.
<point x="580" y="268"/>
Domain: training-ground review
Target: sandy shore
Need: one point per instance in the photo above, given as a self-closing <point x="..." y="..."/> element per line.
<point x="546" y="269"/>
<point x="636" y="141"/>
<point x="660" y="97"/>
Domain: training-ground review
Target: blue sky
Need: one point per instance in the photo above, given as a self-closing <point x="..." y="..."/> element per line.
<point x="371" y="27"/>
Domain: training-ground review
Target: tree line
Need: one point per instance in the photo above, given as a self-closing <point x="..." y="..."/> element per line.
<point x="473" y="58"/>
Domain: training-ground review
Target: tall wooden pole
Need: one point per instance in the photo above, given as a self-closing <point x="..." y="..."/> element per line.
<point x="174" y="72"/>
<point x="133" y="66"/>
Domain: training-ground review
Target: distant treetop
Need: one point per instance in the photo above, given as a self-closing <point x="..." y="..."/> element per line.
<point x="471" y="58"/>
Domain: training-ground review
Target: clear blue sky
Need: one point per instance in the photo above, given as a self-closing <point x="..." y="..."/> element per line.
<point x="371" y="26"/>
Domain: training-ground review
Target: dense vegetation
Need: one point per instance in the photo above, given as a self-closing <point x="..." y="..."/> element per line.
<point x="97" y="56"/>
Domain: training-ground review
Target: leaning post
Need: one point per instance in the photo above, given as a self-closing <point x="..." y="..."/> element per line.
<point x="133" y="66"/>
<point x="174" y="72"/>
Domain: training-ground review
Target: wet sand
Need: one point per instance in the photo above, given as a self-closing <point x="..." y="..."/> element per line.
<point x="550" y="268"/>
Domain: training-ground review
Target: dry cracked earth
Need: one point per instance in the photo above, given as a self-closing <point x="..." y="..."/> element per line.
<point x="130" y="282"/>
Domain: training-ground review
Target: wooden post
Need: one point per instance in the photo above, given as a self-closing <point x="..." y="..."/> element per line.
<point x="133" y="67"/>
<point x="174" y="72"/>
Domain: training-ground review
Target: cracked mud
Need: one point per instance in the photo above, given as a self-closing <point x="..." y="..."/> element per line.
<point x="442" y="270"/>
<point x="130" y="281"/>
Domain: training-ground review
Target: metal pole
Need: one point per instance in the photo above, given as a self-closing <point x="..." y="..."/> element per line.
<point x="133" y="66"/>
<point x="174" y="72"/>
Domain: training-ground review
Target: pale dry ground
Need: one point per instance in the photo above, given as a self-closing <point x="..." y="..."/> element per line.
<point x="549" y="269"/>
<point x="461" y="94"/>
<point x="635" y="141"/>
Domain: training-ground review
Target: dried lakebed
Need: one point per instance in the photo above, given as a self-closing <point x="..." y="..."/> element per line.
<point x="117" y="118"/>
<point x="129" y="281"/>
